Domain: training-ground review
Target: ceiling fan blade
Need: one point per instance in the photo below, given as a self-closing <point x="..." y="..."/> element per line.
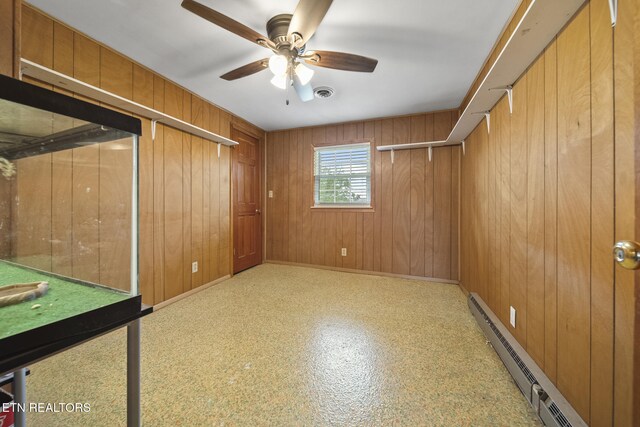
<point x="340" y="61"/>
<point x="227" y="23"/>
<point x="307" y="17"/>
<point x="305" y="92"/>
<point x="246" y="70"/>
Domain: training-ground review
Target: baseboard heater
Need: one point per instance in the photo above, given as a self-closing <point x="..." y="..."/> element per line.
<point x="552" y="408"/>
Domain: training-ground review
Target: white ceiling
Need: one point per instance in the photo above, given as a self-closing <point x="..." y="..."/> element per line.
<point x="429" y="52"/>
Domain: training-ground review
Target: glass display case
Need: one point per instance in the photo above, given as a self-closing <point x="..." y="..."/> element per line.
<point x="68" y="222"/>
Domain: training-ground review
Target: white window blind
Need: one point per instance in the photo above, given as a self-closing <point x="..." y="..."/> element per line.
<point x="342" y="175"/>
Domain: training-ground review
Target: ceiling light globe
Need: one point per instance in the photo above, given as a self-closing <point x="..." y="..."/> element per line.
<point x="279" y="81"/>
<point x="304" y="73"/>
<point x="278" y="64"/>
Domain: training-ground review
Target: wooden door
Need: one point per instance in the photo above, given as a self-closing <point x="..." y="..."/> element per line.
<point x="627" y="208"/>
<point x="247" y="212"/>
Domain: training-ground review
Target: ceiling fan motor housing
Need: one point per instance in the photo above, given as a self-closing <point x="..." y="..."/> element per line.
<point x="278" y="28"/>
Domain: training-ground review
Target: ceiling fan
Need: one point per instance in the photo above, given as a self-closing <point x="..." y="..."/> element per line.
<point x="288" y="36"/>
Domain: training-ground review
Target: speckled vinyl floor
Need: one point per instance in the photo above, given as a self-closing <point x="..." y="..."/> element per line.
<point x="279" y="345"/>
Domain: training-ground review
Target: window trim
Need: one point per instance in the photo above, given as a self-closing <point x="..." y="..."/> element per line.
<point x="346" y="208"/>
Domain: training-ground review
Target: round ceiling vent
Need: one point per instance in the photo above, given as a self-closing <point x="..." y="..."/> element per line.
<point x="323" y="92"/>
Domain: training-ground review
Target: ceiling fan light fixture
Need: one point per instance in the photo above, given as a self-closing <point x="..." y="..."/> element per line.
<point x="304" y="73"/>
<point x="278" y="64"/>
<point x="279" y="81"/>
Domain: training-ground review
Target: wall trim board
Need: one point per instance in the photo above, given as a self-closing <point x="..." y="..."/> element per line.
<point x="192" y="292"/>
<point x="365" y="272"/>
<point x="463" y="289"/>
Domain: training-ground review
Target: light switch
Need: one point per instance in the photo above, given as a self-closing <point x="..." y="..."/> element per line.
<point x="512" y="317"/>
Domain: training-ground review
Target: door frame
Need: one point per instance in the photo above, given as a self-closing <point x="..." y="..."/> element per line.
<point x="239" y="126"/>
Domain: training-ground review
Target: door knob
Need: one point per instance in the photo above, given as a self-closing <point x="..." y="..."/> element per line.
<point x="627" y="254"/>
<point x="258" y="211"/>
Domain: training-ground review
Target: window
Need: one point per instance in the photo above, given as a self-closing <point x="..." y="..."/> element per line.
<point x="342" y="175"/>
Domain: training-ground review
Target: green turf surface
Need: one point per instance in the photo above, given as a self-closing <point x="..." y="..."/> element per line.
<point x="64" y="299"/>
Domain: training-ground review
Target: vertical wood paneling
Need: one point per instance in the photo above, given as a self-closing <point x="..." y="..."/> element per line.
<point x="550" y="211"/>
<point x="270" y="205"/>
<point x="386" y="204"/>
<point x="173" y="219"/>
<point x="602" y="214"/>
<point x="197" y="186"/>
<point x="330" y="242"/>
<point x="86" y="235"/>
<point x="569" y="175"/>
<point x="143" y="94"/>
<point x="276" y="229"/>
<point x="158" y="197"/>
<point x="442" y="212"/>
<point x="359" y="240"/>
<point x="31" y="215"/>
<point x="368" y="238"/>
<point x="292" y="176"/>
<point x="418" y="183"/>
<point x="349" y="239"/>
<point x="377" y="216"/>
<point x="285" y="195"/>
<point x="61" y="223"/>
<point x="86" y="59"/>
<point x="62" y="49"/>
<point x="455" y="226"/>
<point x="116" y="73"/>
<point x="307" y="194"/>
<point x="225" y="201"/>
<point x="392" y="236"/>
<point x="429" y="132"/>
<point x="574" y="213"/>
<point x="301" y="209"/>
<point x="37" y="40"/>
<point x="214" y="212"/>
<point x="401" y="188"/>
<point x="10" y="14"/>
<point x="206" y="209"/>
<point x="62" y="168"/>
<point x="627" y="128"/>
<point x="114" y="224"/>
<point x="535" y="212"/>
<point x="493" y="225"/>
<point x="186" y="196"/>
<point x="518" y="181"/>
<point x="504" y="119"/>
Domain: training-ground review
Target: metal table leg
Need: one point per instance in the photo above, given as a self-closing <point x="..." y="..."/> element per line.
<point x="133" y="374"/>
<point x="20" y="396"/>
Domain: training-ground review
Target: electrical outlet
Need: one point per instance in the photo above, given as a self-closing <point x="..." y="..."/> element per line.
<point x="512" y="317"/>
<point x="271" y="194"/>
<point x="194" y="267"/>
<point x="344" y="252"/>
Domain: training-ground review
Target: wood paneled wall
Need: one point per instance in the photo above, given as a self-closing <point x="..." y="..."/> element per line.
<point x="413" y="226"/>
<point x="184" y="187"/>
<point x="9" y="37"/>
<point x="537" y="222"/>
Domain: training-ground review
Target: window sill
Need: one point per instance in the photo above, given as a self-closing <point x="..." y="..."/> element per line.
<point x="344" y="208"/>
